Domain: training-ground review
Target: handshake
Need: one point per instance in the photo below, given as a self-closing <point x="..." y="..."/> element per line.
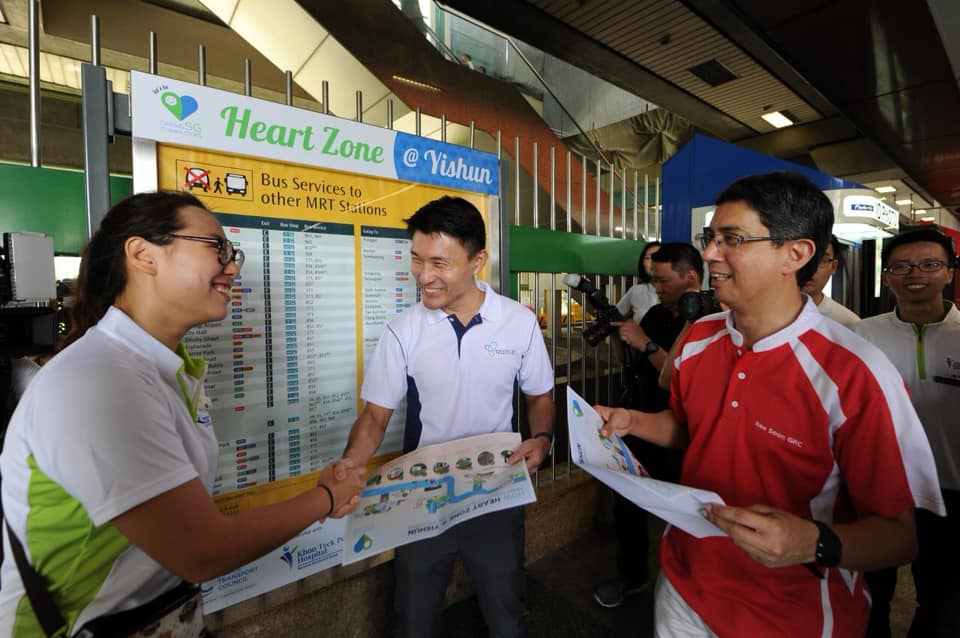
<point x="341" y="481"/>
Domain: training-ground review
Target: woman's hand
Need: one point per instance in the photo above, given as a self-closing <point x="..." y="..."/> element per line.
<point x="344" y="479"/>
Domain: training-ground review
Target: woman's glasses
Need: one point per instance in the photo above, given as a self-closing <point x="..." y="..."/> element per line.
<point x="225" y="250"/>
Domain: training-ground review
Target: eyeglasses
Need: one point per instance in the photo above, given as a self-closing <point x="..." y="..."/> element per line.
<point x="905" y="268"/>
<point x="727" y="241"/>
<point x="225" y="250"/>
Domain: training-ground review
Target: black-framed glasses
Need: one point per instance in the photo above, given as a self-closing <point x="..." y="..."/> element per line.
<point x="905" y="267"/>
<point x="727" y="241"/>
<point x="225" y="250"/>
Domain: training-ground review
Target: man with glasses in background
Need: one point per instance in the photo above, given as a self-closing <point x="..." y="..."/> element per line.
<point x="804" y="429"/>
<point x="829" y="265"/>
<point x="922" y="339"/>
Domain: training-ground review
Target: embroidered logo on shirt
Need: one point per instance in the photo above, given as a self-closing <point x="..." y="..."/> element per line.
<point x="494" y="351"/>
<point x="795" y="442"/>
<point x="203" y="418"/>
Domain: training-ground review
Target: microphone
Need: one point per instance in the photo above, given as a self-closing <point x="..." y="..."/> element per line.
<point x="573" y="280"/>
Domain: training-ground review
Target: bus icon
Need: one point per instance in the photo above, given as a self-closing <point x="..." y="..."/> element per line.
<point x="196" y="178"/>
<point x="236" y="184"/>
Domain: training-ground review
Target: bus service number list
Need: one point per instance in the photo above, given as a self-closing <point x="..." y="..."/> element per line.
<point x="282" y="366"/>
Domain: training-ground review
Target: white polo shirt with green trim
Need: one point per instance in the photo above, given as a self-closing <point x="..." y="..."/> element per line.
<point x="111" y="422"/>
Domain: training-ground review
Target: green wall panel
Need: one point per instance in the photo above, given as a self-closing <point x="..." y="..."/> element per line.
<point x="50" y="201"/>
<point x="541" y="250"/>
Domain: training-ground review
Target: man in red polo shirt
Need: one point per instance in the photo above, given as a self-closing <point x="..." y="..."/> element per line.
<point x="804" y="429"/>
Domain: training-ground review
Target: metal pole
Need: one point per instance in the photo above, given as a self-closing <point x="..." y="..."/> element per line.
<point x="553" y="188"/>
<point x="96" y="157"/>
<point x="646" y="207"/>
<point x="359" y="117"/>
<point x="202" y="65"/>
<point x="94" y="40"/>
<point x="569" y="194"/>
<point x="473" y="132"/>
<point x="623" y="204"/>
<point x="247" y="77"/>
<point x="154" y="60"/>
<point x="554" y="334"/>
<point x="583" y="196"/>
<point x="443" y="127"/>
<point x="610" y="193"/>
<point x="34" y="18"/>
<point x="325" y="96"/>
<point x="516" y="179"/>
<point x="417" y="119"/>
<point x="635" y="204"/>
<point x="597" y="185"/>
<point x="536" y="185"/>
<point x="390" y="114"/>
<point x="288" y="87"/>
<point x="657" y="212"/>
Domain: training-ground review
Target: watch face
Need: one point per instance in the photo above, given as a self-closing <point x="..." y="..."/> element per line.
<point x="651" y="347"/>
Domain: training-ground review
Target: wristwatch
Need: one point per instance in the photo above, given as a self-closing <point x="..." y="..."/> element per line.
<point x="651" y="347"/>
<point x="829" y="546"/>
<point x="549" y="436"/>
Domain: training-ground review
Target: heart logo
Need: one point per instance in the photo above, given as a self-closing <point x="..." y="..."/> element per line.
<point x="180" y="106"/>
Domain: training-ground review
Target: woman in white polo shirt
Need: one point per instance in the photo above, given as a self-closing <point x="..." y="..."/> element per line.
<point x="110" y="457"/>
<point x="641" y="297"/>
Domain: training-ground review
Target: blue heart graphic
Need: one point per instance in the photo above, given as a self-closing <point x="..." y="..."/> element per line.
<point x="188" y="106"/>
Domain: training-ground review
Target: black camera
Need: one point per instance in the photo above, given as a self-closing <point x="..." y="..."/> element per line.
<point x="694" y="305"/>
<point x="602" y="309"/>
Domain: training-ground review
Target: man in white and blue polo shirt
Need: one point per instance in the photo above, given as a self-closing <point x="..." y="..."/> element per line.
<point x="456" y="357"/>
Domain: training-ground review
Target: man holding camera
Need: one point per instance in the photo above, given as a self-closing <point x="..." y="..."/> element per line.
<point x="803" y="428"/>
<point x="675" y="271"/>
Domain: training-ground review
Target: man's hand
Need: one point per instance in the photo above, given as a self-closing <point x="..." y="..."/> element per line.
<point x="615" y="420"/>
<point x="533" y="450"/>
<point x="770" y="536"/>
<point x="631" y="334"/>
<point x="345" y="480"/>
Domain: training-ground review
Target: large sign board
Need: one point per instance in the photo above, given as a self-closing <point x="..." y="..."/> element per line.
<point x="317" y="205"/>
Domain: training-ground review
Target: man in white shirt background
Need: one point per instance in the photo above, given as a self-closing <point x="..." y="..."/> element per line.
<point x="830" y="264"/>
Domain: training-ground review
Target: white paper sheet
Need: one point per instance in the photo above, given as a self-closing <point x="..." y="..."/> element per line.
<point x="610" y="461"/>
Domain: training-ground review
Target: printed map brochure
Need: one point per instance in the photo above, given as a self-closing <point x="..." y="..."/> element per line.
<point x="421" y="494"/>
<point x="610" y="461"/>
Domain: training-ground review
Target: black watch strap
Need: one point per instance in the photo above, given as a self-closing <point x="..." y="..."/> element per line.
<point x="829" y="546"/>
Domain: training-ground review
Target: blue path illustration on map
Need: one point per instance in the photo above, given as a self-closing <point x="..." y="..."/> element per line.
<point x="432" y="505"/>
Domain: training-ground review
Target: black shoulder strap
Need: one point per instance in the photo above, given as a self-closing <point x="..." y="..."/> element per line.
<point x="46" y="611"/>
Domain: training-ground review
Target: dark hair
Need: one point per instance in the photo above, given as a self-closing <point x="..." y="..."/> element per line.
<point x="103" y="269"/>
<point x="452" y="216"/>
<point x="837" y="253"/>
<point x="918" y="235"/>
<point x="790" y="207"/>
<point x="682" y="258"/>
<point x="644" y="277"/>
